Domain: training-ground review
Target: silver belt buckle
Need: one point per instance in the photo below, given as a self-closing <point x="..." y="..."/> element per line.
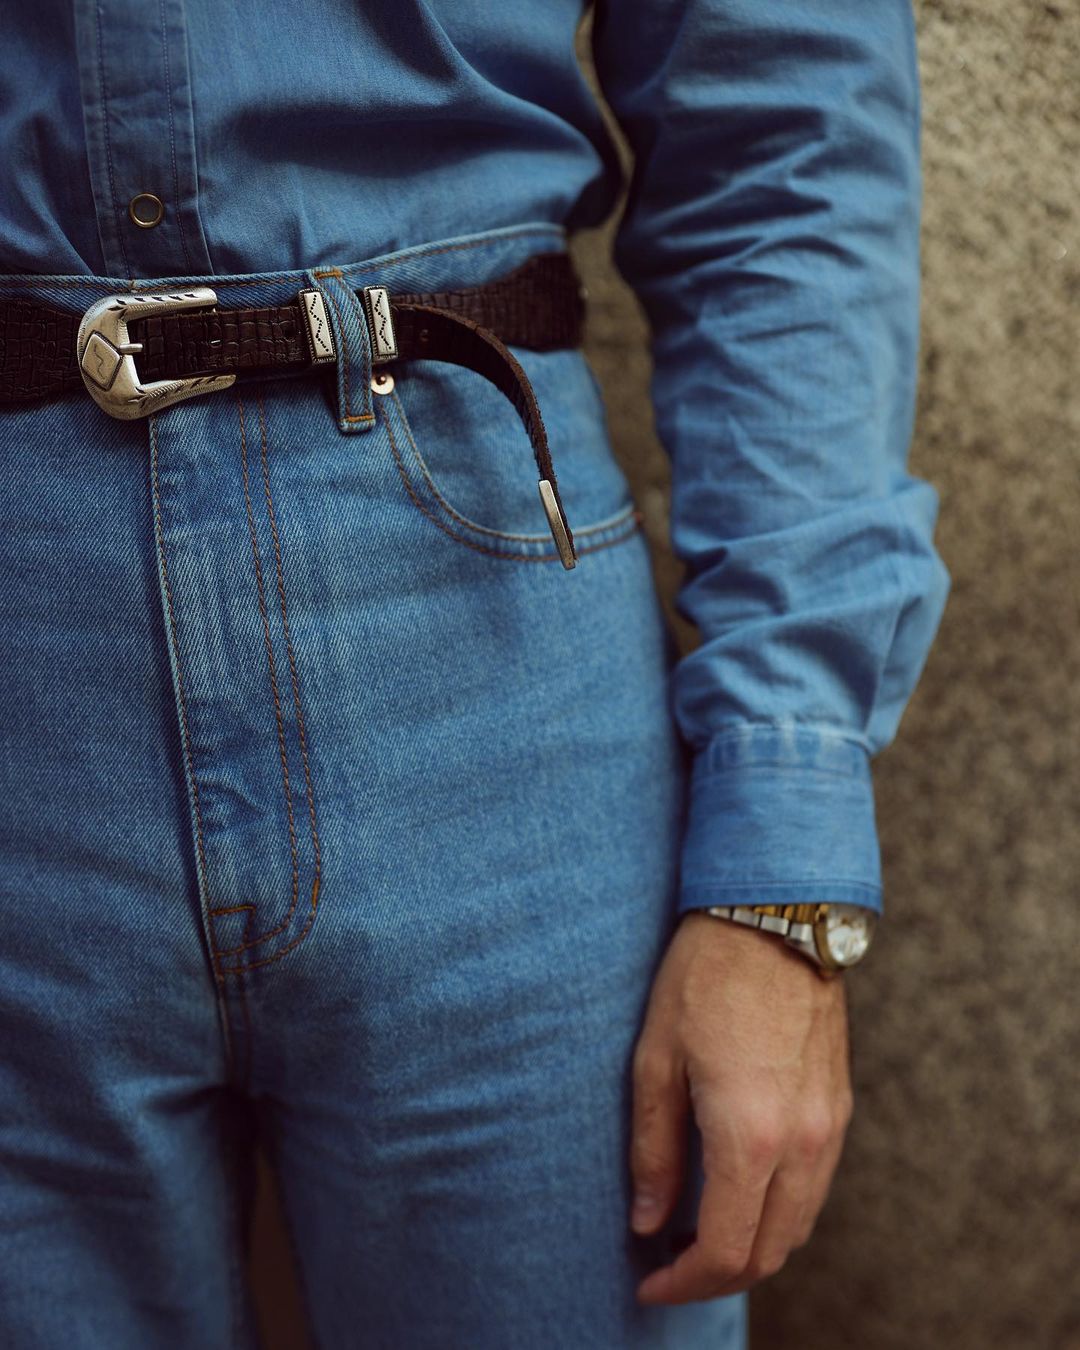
<point x="107" y="355"/>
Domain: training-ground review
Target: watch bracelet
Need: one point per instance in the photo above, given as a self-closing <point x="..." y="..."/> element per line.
<point x="794" y="923"/>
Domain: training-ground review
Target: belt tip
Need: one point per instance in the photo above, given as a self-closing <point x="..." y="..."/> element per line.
<point x="560" y="530"/>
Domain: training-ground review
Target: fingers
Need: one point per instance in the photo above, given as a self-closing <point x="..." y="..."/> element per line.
<point x="766" y="1180"/>
<point x="658" y="1134"/>
<point x="797" y="1192"/>
<point x="738" y="1170"/>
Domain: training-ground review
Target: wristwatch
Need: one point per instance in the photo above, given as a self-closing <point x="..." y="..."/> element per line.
<point x="833" y="936"/>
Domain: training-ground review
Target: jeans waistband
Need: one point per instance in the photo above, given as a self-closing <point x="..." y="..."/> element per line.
<point x="438" y="266"/>
<point x="462" y="260"/>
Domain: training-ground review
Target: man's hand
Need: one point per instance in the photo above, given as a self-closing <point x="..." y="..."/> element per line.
<point x="748" y="1035"/>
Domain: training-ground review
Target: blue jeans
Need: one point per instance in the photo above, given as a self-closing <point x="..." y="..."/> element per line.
<point x="332" y="807"/>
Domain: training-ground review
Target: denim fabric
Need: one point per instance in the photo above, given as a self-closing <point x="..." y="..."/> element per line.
<point x="324" y="786"/>
<point x="328" y="790"/>
<point x="772" y="234"/>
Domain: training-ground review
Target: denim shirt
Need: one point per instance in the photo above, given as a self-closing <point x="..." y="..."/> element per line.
<point x="771" y="233"/>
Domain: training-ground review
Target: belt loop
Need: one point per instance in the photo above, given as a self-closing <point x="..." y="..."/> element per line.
<point x="352" y="341"/>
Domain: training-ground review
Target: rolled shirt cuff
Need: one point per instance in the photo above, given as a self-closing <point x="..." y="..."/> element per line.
<point x="780" y="813"/>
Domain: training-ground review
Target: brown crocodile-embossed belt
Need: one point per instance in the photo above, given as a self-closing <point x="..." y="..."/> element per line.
<point x="186" y="346"/>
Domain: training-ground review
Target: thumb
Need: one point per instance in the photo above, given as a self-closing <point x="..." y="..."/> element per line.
<point x="657" y="1135"/>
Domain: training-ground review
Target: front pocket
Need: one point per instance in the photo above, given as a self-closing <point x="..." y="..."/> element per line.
<point x="466" y="462"/>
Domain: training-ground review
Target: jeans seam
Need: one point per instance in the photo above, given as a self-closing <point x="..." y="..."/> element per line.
<point x="185" y="721"/>
<point x="185" y="738"/>
<point x="271" y="662"/>
<point x="261" y="938"/>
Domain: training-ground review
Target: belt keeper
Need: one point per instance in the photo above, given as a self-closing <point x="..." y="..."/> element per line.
<point x="346" y="314"/>
<point x="317" y="327"/>
<point x="380" y="323"/>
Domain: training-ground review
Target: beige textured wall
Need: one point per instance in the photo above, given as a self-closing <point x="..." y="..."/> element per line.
<point x="954" y="1223"/>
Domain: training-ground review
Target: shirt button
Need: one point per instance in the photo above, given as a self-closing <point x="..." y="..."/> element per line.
<point x="146" y="210"/>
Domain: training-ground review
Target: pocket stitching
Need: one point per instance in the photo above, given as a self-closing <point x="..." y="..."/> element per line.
<point x="616" y="526"/>
<point x="539" y="537"/>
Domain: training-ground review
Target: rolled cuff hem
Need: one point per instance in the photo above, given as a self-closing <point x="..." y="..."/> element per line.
<point x="780" y="814"/>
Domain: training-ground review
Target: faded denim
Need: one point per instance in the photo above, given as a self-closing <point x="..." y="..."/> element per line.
<point x="327" y="789"/>
<point x="329" y="802"/>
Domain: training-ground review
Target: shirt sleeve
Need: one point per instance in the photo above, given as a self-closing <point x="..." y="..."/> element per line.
<point x="772" y="235"/>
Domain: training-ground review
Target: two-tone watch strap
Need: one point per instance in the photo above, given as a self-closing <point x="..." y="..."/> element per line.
<point x="796" y="924"/>
<point x="793" y="921"/>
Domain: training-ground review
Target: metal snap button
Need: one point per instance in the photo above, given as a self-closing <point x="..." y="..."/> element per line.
<point x="146" y="210"/>
<point x="382" y="383"/>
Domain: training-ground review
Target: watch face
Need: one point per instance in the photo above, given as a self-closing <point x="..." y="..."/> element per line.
<point x="846" y="933"/>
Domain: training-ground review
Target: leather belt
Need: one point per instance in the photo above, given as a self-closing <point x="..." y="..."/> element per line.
<point x="186" y="346"/>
